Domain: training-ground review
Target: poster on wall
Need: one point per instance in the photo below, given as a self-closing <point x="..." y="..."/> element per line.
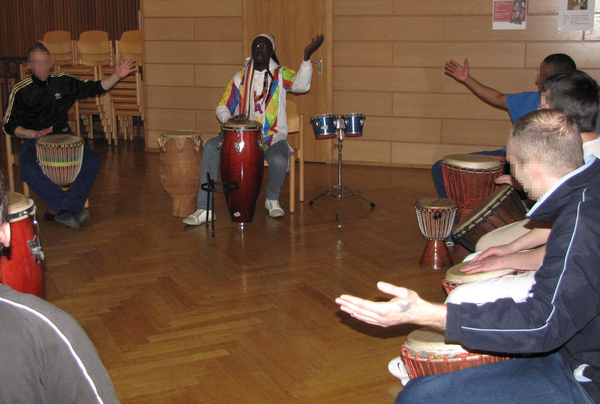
<point x="576" y="15"/>
<point x="509" y="14"/>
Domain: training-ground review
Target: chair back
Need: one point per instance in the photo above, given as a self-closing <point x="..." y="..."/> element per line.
<point x="130" y="46"/>
<point x="94" y="49"/>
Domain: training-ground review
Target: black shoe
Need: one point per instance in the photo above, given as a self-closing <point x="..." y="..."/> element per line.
<point x="49" y="216"/>
<point x="68" y="218"/>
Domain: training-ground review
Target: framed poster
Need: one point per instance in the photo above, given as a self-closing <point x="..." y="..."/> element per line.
<point x="509" y="14"/>
<point x="576" y="15"/>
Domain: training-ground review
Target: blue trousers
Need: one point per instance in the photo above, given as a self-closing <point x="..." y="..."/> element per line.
<point x="53" y="195"/>
<point x="277" y="156"/>
<point x="438" y="176"/>
<point x="545" y="379"/>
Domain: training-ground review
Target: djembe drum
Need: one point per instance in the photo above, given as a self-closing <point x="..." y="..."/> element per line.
<point x="22" y="267"/>
<point x="180" y="158"/>
<point x="60" y="158"/>
<point x="435" y="216"/>
<point x="425" y="353"/>
<point x="242" y="165"/>
<point x="454" y="277"/>
<point x="469" y="179"/>
<point x="504" y="206"/>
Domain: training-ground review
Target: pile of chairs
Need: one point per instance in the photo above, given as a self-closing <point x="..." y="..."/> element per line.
<point x="93" y="57"/>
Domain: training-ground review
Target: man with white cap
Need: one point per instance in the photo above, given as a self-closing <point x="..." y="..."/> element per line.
<point x="258" y="92"/>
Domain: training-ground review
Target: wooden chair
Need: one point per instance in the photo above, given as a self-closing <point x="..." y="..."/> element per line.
<point x="129" y="46"/>
<point x="94" y="49"/>
<point x="61" y="47"/>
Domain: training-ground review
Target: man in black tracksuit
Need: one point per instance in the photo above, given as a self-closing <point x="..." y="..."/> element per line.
<point x="39" y="106"/>
<point x="557" y="327"/>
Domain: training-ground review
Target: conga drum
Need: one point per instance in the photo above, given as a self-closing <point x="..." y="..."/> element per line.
<point x="180" y="158"/>
<point x="353" y="124"/>
<point x="324" y="126"/>
<point x="469" y="179"/>
<point x="22" y="265"/>
<point x="435" y="216"/>
<point x="60" y="158"/>
<point x="425" y="353"/>
<point x="454" y="277"/>
<point x="504" y="206"/>
<point x="242" y="164"/>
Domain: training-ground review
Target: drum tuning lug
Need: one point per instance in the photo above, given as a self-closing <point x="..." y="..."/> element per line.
<point x="37" y="251"/>
<point x="239" y="146"/>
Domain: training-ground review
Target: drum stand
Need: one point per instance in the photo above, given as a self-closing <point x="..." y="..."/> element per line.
<point x="338" y="194"/>
<point x="210" y="186"/>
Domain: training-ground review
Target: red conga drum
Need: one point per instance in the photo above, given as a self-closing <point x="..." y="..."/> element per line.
<point x="242" y="164"/>
<point x="469" y="179"/>
<point x="435" y="216"/>
<point x="425" y="353"/>
<point x="22" y="266"/>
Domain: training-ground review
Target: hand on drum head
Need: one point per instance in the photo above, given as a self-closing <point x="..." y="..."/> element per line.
<point x="240" y="118"/>
<point x="42" y="133"/>
<point x="509" y="180"/>
<point x="406" y="307"/>
<point x="491" y="263"/>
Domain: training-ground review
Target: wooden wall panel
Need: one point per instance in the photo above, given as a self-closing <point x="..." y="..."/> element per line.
<point x="192" y="8"/>
<point x="218" y="29"/>
<point x="387" y="79"/>
<point x="22" y="22"/>
<point x="384" y="28"/>
<point x="169" y="29"/>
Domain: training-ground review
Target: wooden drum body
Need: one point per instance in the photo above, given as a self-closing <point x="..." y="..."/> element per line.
<point x="502" y="207"/>
<point x="60" y="158"/>
<point x="23" y="268"/>
<point x="455" y="278"/>
<point x="242" y="163"/>
<point x="180" y="158"/>
<point x="425" y="353"/>
<point x="469" y="179"/>
<point x="435" y="216"/>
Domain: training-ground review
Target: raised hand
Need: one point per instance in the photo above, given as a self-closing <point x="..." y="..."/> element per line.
<point x="313" y="46"/>
<point x="460" y="73"/>
<point x="123" y="69"/>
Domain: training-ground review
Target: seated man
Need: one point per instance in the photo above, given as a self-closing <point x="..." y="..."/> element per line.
<point x="517" y="105"/>
<point x="39" y="106"/>
<point x="266" y="104"/>
<point x="556" y="327"/>
<point x="46" y="356"/>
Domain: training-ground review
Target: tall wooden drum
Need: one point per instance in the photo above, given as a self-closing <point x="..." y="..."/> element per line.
<point x="60" y="158"/>
<point x="22" y="266"/>
<point x="242" y="164"/>
<point x="435" y="216"/>
<point x="180" y="158"/>
<point x="469" y="179"/>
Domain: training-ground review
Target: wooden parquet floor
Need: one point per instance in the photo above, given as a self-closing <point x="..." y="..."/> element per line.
<point x="249" y="316"/>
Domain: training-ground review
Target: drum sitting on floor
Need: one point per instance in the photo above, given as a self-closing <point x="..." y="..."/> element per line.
<point x="504" y="206"/>
<point x="22" y="265"/>
<point x="242" y="163"/>
<point x="353" y="124"/>
<point x="180" y="157"/>
<point x="60" y="158"/>
<point x="435" y="216"/>
<point x="469" y="179"/>
<point x="454" y="277"/>
<point x="324" y="126"/>
<point x="425" y="353"/>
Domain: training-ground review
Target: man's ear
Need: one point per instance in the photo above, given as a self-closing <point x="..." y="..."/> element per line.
<point x="5" y="234"/>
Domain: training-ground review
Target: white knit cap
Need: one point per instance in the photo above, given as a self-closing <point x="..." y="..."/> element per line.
<point x="270" y="37"/>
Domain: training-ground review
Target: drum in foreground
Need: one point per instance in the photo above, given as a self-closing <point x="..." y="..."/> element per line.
<point x="324" y="126"/>
<point x="455" y="278"/>
<point x="179" y="165"/>
<point x="60" y="158"/>
<point x="353" y="124"/>
<point x="435" y="216"/>
<point x="22" y="266"/>
<point x="425" y="353"/>
<point x="504" y="206"/>
<point x="469" y="179"/>
<point x="242" y="163"/>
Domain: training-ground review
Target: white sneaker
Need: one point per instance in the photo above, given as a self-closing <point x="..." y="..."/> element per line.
<point x="398" y="369"/>
<point x="273" y="208"/>
<point x="198" y="217"/>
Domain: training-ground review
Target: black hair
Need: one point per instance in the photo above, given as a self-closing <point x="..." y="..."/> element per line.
<point x="38" y="46"/>
<point x="562" y="63"/>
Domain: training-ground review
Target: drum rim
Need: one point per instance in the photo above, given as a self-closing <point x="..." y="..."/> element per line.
<point x="475" y="277"/>
<point x="499" y="195"/>
<point x="25" y="210"/>
<point x="43" y="141"/>
<point x="250" y="125"/>
<point x="479" y="161"/>
<point x="352" y="114"/>
<point x="449" y="207"/>
<point x="314" y="117"/>
<point x="436" y="345"/>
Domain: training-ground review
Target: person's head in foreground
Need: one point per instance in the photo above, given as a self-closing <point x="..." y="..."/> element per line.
<point x="543" y="147"/>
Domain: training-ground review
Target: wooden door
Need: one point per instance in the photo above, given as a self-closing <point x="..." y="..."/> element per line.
<point x="294" y="23"/>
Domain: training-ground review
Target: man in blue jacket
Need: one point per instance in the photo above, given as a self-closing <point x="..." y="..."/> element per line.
<point x="557" y="327"/>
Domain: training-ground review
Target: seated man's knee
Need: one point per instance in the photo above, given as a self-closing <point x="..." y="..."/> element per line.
<point x="91" y="162"/>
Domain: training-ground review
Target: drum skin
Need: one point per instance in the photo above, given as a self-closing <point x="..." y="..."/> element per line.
<point x="180" y="158"/>
<point x="454" y="277"/>
<point x="19" y="270"/>
<point x="242" y="163"/>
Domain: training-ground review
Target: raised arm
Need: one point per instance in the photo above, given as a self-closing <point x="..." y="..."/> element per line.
<point x="313" y="46"/>
<point x="489" y="95"/>
<point x="121" y="70"/>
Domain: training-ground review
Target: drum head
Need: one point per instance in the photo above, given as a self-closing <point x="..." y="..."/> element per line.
<point x="18" y="206"/>
<point x="233" y="124"/>
<point x="181" y="133"/>
<point x="435" y="203"/>
<point x="59" y="140"/>
<point x="454" y="275"/>
<point x="430" y="340"/>
<point x="485" y="205"/>
<point x="472" y="161"/>
<point x="357" y="114"/>
<point x="314" y="118"/>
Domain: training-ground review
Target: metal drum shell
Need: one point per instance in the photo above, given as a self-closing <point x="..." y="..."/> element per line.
<point x="324" y="126"/>
<point x="353" y="124"/>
